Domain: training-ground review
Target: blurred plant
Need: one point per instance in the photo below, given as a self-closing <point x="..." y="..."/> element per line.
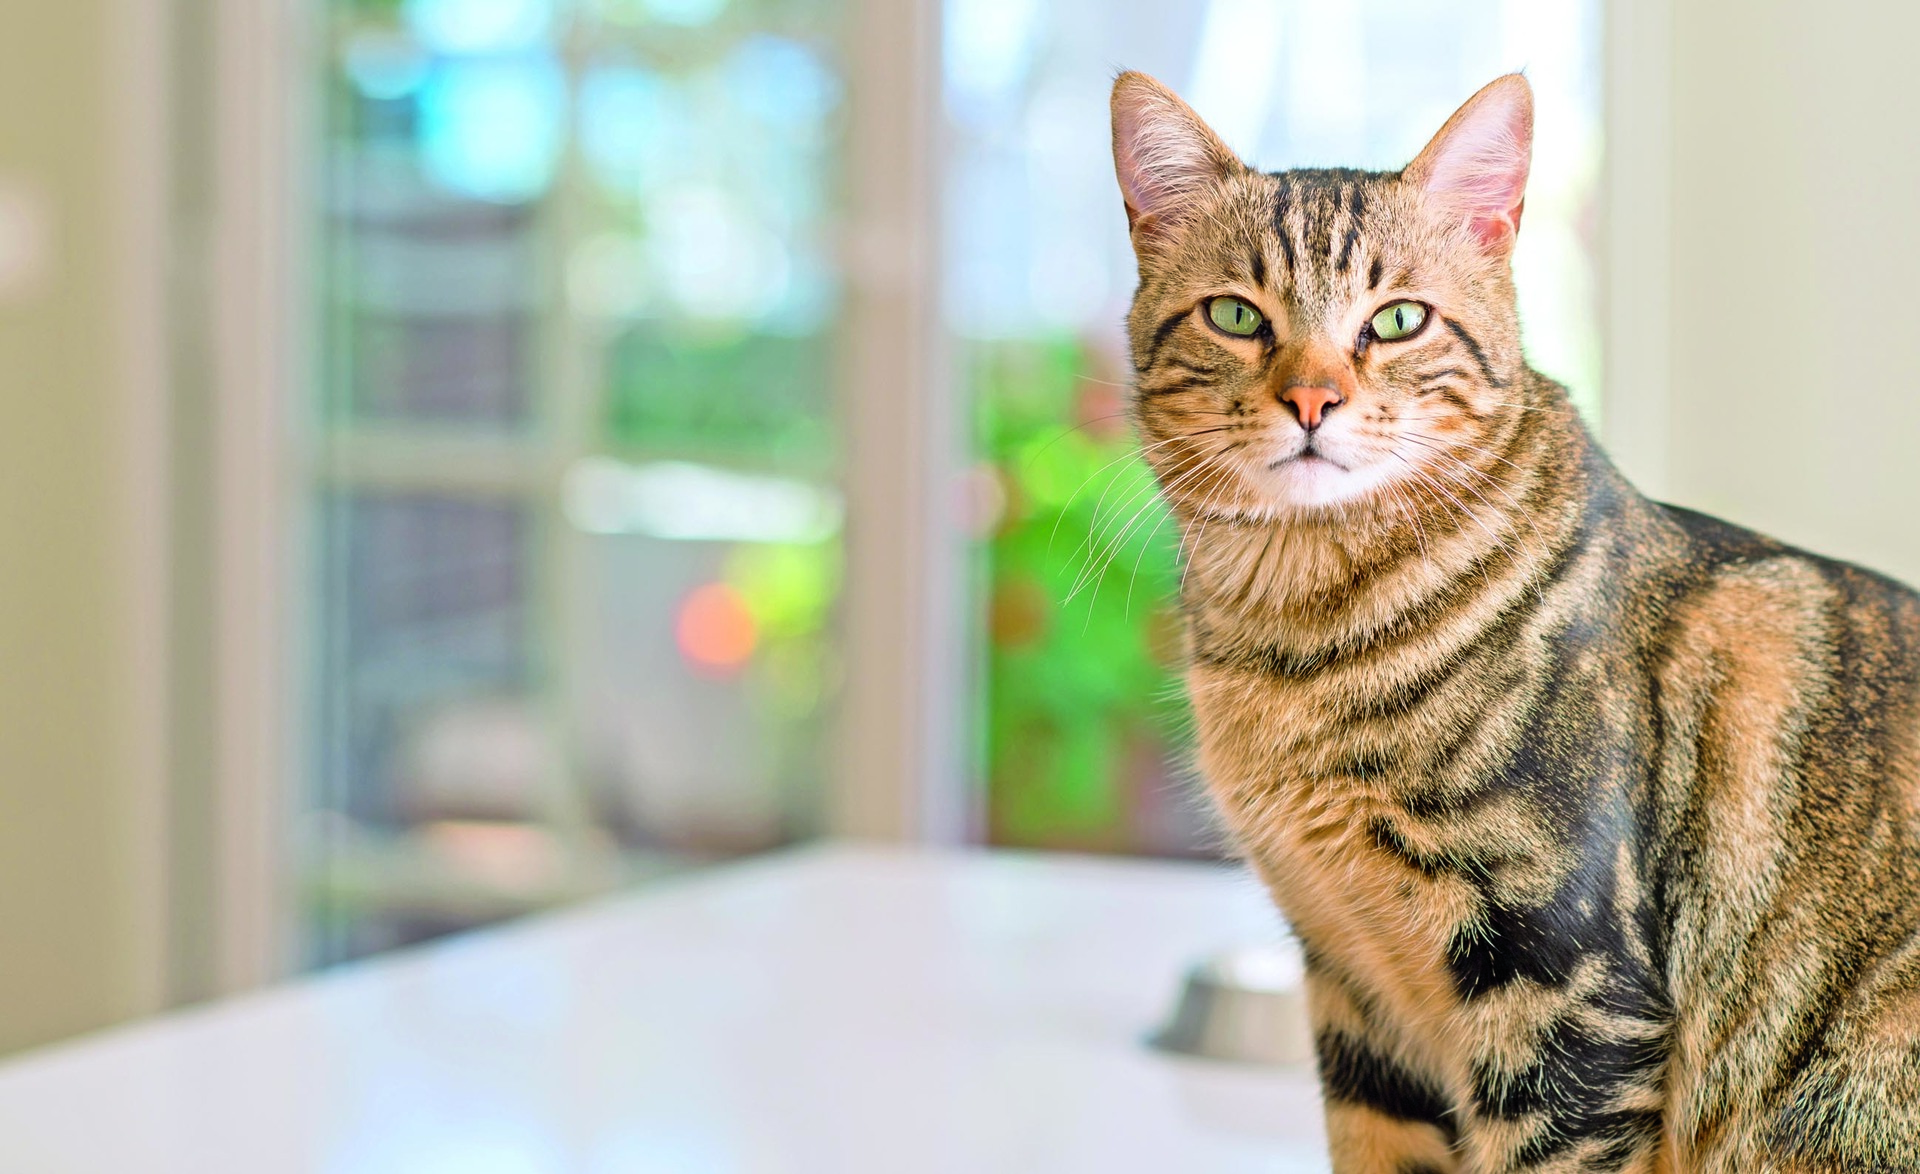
<point x="1082" y="708"/>
<point x="789" y="590"/>
<point x="758" y="398"/>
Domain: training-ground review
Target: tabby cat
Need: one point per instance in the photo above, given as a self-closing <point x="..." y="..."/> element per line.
<point x="1597" y="817"/>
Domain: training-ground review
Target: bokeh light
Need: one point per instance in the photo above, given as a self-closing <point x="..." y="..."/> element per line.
<point x="781" y="82"/>
<point x="384" y="67"/>
<point x="490" y="128"/>
<point x="715" y="629"/>
<point x="718" y="260"/>
<point x="629" y="119"/>
<point x="686" y="13"/>
<point x="479" y="26"/>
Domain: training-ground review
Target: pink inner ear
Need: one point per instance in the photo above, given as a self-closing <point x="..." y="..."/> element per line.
<point x="1137" y="184"/>
<point x="1478" y="163"/>
<point x="1159" y="157"/>
<point x="1162" y="152"/>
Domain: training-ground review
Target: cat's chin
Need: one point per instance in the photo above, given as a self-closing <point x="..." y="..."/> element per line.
<point x="1318" y="483"/>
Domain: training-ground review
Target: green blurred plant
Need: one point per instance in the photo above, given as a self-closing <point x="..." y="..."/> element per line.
<point x="761" y="400"/>
<point x="1081" y="637"/>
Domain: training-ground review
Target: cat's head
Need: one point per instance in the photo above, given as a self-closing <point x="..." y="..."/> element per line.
<point x="1316" y="342"/>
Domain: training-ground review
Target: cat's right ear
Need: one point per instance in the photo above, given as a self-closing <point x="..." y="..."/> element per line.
<point x="1164" y="156"/>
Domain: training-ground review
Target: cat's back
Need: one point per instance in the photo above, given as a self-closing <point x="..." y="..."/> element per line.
<point x="1789" y="698"/>
<point x="1852" y="634"/>
<point x="1788" y="826"/>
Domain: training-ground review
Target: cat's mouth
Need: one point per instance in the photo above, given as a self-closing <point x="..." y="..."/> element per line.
<point x="1311" y="476"/>
<point x="1307" y="458"/>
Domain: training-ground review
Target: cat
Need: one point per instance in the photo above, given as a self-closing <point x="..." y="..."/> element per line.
<point x="1596" y="817"/>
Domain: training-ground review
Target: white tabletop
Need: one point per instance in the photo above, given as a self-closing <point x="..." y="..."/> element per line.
<point x="837" y="1010"/>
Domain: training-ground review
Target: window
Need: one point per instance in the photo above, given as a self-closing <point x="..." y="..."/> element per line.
<point x="573" y="461"/>
<point x="569" y="462"/>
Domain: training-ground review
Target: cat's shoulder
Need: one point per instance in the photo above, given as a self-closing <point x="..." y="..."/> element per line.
<point x="1720" y="548"/>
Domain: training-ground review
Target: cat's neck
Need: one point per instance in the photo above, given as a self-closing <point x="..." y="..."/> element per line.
<point x="1312" y="581"/>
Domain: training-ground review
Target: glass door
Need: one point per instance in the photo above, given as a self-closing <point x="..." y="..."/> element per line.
<point x="570" y="464"/>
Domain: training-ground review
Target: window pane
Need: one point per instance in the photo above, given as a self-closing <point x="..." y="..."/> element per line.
<point x="434" y="285"/>
<point x="427" y="614"/>
<point x="573" y="472"/>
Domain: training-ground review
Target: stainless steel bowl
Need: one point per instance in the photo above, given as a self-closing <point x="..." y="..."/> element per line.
<point x="1247" y="1005"/>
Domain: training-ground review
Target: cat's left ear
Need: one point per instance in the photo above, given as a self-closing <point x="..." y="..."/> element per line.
<point x="1476" y="167"/>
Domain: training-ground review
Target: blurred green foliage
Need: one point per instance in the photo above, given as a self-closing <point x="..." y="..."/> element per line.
<point x="754" y="398"/>
<point x="1082" y="699"/>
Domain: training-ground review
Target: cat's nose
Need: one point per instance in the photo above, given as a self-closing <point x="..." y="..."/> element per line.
<point x="1311" y="403"/>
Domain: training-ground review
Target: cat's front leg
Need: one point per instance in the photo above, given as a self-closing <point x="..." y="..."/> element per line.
<point x="1569" y="1079"/>
<point x="1382" y="1116"/>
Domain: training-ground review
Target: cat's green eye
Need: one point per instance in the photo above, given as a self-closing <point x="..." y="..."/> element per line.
<point x="1400" y="320"/>
<point x="1234" y="316"/>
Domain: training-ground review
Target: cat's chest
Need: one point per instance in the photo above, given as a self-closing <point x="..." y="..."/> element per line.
<point x="1361" y="909"/>
<point x="1322" y="843"/>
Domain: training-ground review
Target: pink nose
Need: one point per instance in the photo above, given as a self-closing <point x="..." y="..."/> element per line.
<point x="1310" y="404"/>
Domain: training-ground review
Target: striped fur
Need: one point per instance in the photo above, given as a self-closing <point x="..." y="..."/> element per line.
<point x="1597" y="817"/>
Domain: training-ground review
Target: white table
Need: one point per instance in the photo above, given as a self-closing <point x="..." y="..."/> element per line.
<point x="833" y="1010"/>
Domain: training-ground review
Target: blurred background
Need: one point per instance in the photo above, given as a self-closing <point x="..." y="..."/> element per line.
<point x="465" y="456"/>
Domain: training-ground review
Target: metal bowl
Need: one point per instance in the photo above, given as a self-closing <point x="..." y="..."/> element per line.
<point x="1246" y="1005"/>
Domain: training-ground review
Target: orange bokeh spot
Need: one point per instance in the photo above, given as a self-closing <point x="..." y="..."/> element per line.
<point x="715" y="630"/>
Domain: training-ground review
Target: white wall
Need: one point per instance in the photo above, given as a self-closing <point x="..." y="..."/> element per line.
<point x="81" y="559"/>
<point x="1792" y="251"/>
